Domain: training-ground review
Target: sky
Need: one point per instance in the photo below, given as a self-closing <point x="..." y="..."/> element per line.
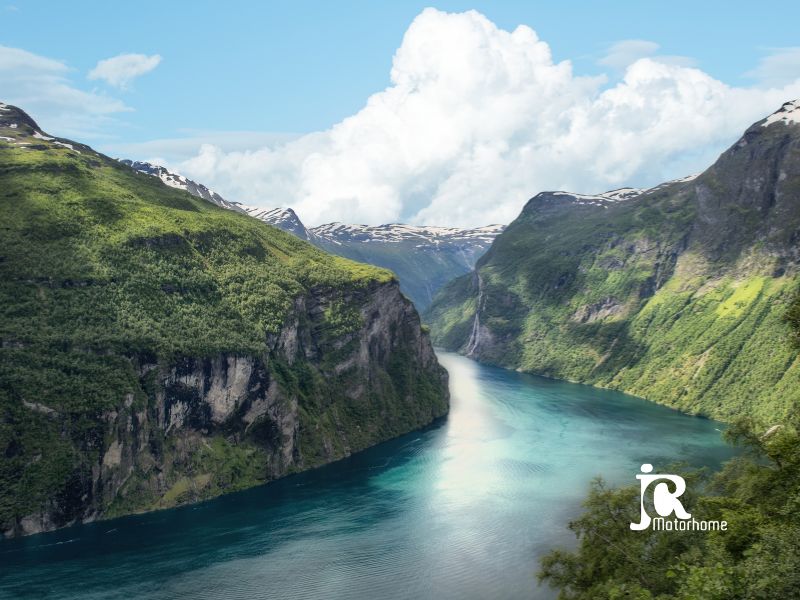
<point x="453" y="113"/>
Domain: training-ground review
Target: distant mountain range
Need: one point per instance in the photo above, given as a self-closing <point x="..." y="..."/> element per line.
<point x="424" y="258"/>
<point x="678" y="294"/>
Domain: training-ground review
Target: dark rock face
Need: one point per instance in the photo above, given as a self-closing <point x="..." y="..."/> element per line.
<point x="751" y="194"/>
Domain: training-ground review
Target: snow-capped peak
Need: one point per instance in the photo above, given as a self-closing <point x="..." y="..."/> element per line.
<point x="282" y="218"/>
<point x="400" y="232"/>
<point x="786" y="114"/>
<point x="604" y="199"/>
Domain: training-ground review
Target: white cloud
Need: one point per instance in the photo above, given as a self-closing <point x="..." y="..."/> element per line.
<point x="171" y="151"/>
<point x="477" y="119"/>
<point x="119" y="71"/>
<point x="780" y="67"/>
<point x="41" y="86"/>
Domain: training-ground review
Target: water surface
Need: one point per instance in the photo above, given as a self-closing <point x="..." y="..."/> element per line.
<point x="463" y="509"/>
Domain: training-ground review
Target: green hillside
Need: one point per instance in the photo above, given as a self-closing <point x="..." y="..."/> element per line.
<point x="678" y="295"/>
<point x="157" y="349"/>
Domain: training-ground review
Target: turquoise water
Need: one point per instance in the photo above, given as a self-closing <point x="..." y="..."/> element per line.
<point x="460" y="510"/>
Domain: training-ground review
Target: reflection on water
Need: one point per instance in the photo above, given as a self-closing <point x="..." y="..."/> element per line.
<point x="460" y="510"/>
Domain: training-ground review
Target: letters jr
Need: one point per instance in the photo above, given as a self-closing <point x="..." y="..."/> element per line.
<point x="665" y="502"/>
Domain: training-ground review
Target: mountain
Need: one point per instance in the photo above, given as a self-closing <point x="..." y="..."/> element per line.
<point x="156" y="349"/>
<point x="181" y="183"/>
<point x="282" y="218"/>
<point x="424" y="258"/>
<point x="677" y="294"/>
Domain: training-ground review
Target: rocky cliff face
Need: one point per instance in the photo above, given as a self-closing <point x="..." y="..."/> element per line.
<point x="156" y="350"/>
<point x="316" y="396"/>
<point x="677" y="293"/>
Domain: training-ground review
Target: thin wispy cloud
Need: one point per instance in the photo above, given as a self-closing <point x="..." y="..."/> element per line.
<point x="120" y="71"/>
<point x="779" y="67"/>
<point x="42" y="86"/>
<point x="624" y="53"/>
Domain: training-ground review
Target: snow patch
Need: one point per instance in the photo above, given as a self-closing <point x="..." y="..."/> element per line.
<point x="65" y="145"/>
<point x="625" y="193"/>
<point x="786" y="114"/>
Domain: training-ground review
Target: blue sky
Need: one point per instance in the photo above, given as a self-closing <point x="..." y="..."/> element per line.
<point x="268" y="68"/>
<point x="303" y="66"/>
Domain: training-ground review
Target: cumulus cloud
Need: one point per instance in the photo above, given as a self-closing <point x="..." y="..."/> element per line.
<point x="120" y="71"/>
<point x="176" y="149"/>
<point x="477" y="119"/>
<point x="779" y="67"/>
<point x="42" y="87"/>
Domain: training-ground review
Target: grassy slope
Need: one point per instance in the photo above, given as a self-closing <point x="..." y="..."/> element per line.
<point x="98" y="264"/>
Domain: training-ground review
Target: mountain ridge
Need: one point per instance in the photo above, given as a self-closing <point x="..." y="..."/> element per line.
<point x="674" y="294"/>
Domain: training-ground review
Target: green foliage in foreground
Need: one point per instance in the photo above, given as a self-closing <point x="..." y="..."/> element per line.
<point x="793" y="318"/>
<point x="757" y="558"/>
<point x="758" y="494"/>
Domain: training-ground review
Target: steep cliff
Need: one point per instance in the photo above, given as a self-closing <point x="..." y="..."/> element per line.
<point x="158" y="350"/>
<point x="677" y="294"/>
